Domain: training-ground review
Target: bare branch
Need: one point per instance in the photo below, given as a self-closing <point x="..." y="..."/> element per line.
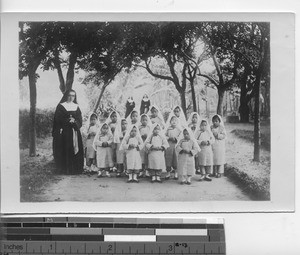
<point x="164" y="77"/>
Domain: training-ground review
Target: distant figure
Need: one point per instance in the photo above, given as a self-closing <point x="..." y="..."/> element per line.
<point x="145" y="105"/>
<point x="130" y="104"/>
<point x="67" y="140"/>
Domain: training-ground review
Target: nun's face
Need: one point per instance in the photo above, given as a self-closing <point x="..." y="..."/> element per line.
<point x="71" y="96"/>
<point x="177" y="112"/>
<point x="186" y="135"/>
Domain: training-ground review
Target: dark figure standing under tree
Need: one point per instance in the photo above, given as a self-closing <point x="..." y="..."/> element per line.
<point x="130" y="104"/>
<point x="145" y="105"/>
<point x="67" y="141"/>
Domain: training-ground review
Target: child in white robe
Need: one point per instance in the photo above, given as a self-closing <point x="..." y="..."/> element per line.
<point x="114" y="123"/>
<point x="102" y="145"/>
<point x="133" y="118"/>
<point x="121" y="159"/>
<point x="156" y="116"/>
<point x="144" y="128"/>
<point x="194" y="121"/>
<point x="90" y="132"/>
<point x="218" y="148"/>
<point x="133" y="143"/>
<point x="187" y="148"/>
<point x="156" y="144"/>
<point x="172" y="134"/>
<point x="205" y="140"/>
<point x="178" y="112"/>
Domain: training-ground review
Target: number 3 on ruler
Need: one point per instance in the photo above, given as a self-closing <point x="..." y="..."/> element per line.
<point x="170" y="248"/>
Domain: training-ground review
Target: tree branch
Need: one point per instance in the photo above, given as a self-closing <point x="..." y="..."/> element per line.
<point x="164" y="77"/>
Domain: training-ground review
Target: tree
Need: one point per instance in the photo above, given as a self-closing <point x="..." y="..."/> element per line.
<point x="226" y="62"/>
<point x="72" y="41"/>
<point x="33" y="47"/>
<point x="171" y="43"/>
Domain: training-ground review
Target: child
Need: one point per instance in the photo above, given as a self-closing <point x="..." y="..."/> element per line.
<point x="113" y="121"/>
<point x="205" y="140"/>
<point x="218" y="148"/>
<point x="178" y="112"/>
<point x="194" y="121"/>
<point x="156" y="116"/>
<point x="102" y="145"/>
<point x="133" y="143"/>
<point x="120" y="153"/>
<point x="133" y="118"/>
<point x="187" y="148"/>
<point x="172" y="135"/>
<point x="90" y="133"/>
<point x="144" y="128"/>
<point x="156" y="144"/>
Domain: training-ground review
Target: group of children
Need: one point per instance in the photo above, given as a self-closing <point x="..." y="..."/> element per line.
<point x="146" y="146"/>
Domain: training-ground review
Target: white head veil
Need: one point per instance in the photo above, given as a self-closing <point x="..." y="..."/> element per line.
<point x="159" y="115"/>
<point x="88" y="122"/>
<point x="127" y="136"/>
<point x="192" y="137"/>
<point x="149" y="124"/>
<point x="128" y="119"/>
<point x="99" y="133"/>
<point x="181" y="119"/>
<point x="161" y="134"/>
<point x="208" y="126"/>
<point x="117" y="131"/>
<point x="191" y="117"/>
<point x="168" y="124"/>
<point x="221" y="122"/>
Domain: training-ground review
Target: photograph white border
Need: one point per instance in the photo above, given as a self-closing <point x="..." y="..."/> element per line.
<point x="282" y="118"/>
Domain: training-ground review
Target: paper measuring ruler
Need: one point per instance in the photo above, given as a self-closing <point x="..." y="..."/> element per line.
<point x="85" y="235"/>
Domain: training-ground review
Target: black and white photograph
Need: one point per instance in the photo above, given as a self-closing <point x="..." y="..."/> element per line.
<point x="145" y="111"/>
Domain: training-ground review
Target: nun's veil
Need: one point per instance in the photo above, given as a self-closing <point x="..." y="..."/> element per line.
<point x="66" y="94"/>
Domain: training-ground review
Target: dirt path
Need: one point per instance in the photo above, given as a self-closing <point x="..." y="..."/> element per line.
<point x="93" y="189"/>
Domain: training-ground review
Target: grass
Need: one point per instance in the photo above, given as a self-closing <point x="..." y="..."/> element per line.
<point x="36" y="172"/>
<point x="252" y="177"/>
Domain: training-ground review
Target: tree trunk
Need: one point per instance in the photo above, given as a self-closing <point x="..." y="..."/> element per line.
<point x="244" y="107"/>
<point x="70" y="72"/>
<point x="32" y="113"/>
<point x="221" y="93"/>
<point x="62" y="84"/>
<point x="100" y="97"/>
<point x="257" y="138"/>
<point x="193" y="97"/>
<point x="183" y="101"/>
